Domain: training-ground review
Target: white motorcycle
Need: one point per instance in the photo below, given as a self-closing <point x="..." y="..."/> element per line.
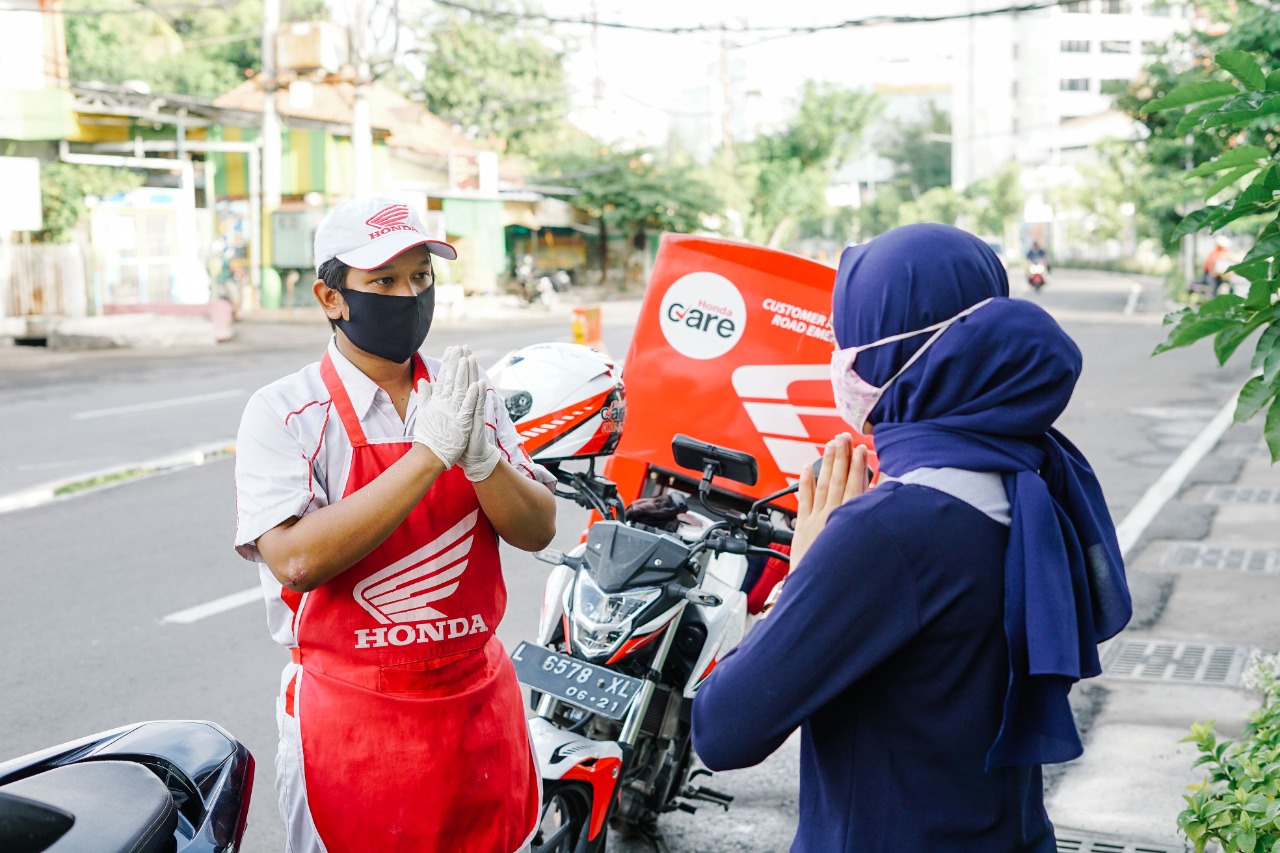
<point x="634" y="618"/>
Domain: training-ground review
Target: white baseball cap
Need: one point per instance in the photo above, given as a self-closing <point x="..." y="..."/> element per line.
<point x="365" y="233"/>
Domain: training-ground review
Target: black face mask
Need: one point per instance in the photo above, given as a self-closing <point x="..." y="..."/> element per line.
<point x="390" y="327"/>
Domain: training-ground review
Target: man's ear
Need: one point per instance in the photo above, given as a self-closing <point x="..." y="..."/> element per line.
<point x="335" y="307"/>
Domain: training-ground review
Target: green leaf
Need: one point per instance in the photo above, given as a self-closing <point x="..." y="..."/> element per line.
<point x="1252" y="270"/>
<point x="1244" y="155"/>
<point x="1271" y="430"/>
<point x="1242" y="118"/>
<point x="1186" y="333"/>
<point x="1196" y="219"/>
<point x="1191" y="93"/>
<point x="1260" y="293"/>
<point x="1265" y="248"/>
<point x="1228" y="179"/>
<point x="1193" y="116"/>
<point x="1267" y="355"/>
<point x="1253" y="199"/>
<point x="1229" y="340"/>
<point x="1243" y="67"/>
<point x="1254" y="396"/>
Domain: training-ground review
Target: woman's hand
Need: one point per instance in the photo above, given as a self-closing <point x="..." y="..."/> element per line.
<point x="843" y="476"/>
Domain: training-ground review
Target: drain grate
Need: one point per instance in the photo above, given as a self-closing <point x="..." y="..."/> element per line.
<point x="1222" y="558"/>
<point x="1070" y="841"/>
<point x="1175" y="662"/>
<point x="1238" y="495"/>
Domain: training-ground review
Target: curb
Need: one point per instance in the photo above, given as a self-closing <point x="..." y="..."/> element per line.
<point x="108" y="477"/>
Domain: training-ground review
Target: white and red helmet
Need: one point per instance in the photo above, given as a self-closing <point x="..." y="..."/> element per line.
<point x="566" y="400"/>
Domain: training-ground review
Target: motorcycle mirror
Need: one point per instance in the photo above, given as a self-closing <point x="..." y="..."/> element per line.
<point x="549" y="555"/>
<point x="789" y="490"/>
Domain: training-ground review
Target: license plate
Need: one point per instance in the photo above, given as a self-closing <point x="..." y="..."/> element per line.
<point x="593" y="688"/>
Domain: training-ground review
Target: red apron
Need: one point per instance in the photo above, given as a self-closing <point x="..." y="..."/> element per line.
<point x="413" y="725"/>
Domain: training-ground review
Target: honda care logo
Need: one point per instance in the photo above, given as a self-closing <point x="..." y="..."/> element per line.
<point x="406" y="591"/>
<point x="389" y="219"/>
<point x="703" y="315"/>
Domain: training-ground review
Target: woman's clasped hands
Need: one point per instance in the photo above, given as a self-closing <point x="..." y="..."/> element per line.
<point x="841" y="477"/>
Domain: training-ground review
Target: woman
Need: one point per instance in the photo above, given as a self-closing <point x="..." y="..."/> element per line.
<point x="941" y="618"/>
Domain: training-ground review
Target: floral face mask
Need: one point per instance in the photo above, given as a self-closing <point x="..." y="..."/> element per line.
<point x="855" y="396"/>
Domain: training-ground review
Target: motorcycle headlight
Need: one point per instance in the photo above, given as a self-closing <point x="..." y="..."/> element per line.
<point x="601" y="620"/>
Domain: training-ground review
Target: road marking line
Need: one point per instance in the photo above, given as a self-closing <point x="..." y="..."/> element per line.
<point x="213" y="608"/>
<point x="1132" y="305"/>
<point x="84" y="483"/>
<point x="158" y="404"/>
<point x="1129" y="531"/>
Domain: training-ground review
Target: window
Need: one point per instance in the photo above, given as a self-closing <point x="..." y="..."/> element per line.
<point x="1074" y="46"/>
<point x="1157" y="9"/>
<point x="1150" y="47"/>
<point x="1074" y="84"/>
<point x="1076" y="7"/>
<point x="1115" y="46"/>
<point x="1065" y="119"/>
<point x="1113" y="86"/>
<point x="1114" y="7"/>
<point x="1013" y="89"/>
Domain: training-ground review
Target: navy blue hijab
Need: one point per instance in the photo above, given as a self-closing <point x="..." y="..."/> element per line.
<point x="984" y="397"/>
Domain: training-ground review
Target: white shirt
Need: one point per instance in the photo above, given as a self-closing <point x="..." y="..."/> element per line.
<point x="293" y="456"/>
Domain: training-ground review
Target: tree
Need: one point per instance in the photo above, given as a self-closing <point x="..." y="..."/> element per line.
<point x="485" y="75"/>
<point x="1239" y="112"/>
<point x="197" y="49"/>
<point x="920" y="151"/>
<point x="634" y="193"/>
<point x="787" y="172"/>
<point x="994" y="203"/>
<point x="63" y="187"/>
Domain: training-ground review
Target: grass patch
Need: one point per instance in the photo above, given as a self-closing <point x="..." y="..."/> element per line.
<point x="100" y="481"/>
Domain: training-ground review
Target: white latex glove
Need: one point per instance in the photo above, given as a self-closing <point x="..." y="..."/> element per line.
<point x="481" y="455"/>
<point x="447" y="407"/>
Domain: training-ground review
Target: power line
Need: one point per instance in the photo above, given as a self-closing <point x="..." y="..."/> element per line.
<point x="131" y="10"/>
<point x="770" y="31"/>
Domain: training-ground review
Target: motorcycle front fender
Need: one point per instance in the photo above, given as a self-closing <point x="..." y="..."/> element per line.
<point x="553" y="597"/>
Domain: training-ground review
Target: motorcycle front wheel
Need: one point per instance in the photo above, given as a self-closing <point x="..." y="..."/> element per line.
<point x="566" y="820"/>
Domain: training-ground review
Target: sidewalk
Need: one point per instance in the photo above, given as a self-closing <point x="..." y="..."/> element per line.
<point x="1203" y="599"/>
<point x="163" y="331"/>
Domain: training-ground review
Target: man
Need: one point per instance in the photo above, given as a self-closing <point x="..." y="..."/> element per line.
<point x="1036" y="254"/>
<point x="371" y="488"/>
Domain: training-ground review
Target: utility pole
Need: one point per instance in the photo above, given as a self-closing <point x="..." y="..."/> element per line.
<point x="270" y="142"/>
<point x="595" y="52"/>
<point x="726" y="95"/>
<point x="270" y="118"/>
<point x="361" y="132"/>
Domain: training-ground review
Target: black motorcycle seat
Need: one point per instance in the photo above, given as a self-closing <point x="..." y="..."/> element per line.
<point x="119" y="807"/>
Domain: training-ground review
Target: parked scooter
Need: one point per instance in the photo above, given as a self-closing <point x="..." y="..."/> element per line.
<point x="1036" y="272"/>
<point x="532" y="287"/>
<point x="636" y="616"/>
<point x="176" y="786"/>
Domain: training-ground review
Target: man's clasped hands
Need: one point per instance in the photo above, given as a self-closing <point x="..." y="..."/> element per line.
<point x="451" y="415"/>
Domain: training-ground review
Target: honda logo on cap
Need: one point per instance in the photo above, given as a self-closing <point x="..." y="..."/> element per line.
<point x="389" y="219"/>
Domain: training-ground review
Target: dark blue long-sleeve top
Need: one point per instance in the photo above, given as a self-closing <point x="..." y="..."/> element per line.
<point x="887" y="650"/>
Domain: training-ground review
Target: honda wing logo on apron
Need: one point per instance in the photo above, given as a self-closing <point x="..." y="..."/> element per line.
<point x="405" y="591"/>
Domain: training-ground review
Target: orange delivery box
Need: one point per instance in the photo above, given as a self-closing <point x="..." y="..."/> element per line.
<point x="732" y="347"/>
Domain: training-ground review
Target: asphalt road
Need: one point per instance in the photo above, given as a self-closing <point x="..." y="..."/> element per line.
<point x="88" y="579"/>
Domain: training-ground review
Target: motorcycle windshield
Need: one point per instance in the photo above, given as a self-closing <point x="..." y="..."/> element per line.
<point x="622" y="557"/>
<point x="732" y="347"/>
